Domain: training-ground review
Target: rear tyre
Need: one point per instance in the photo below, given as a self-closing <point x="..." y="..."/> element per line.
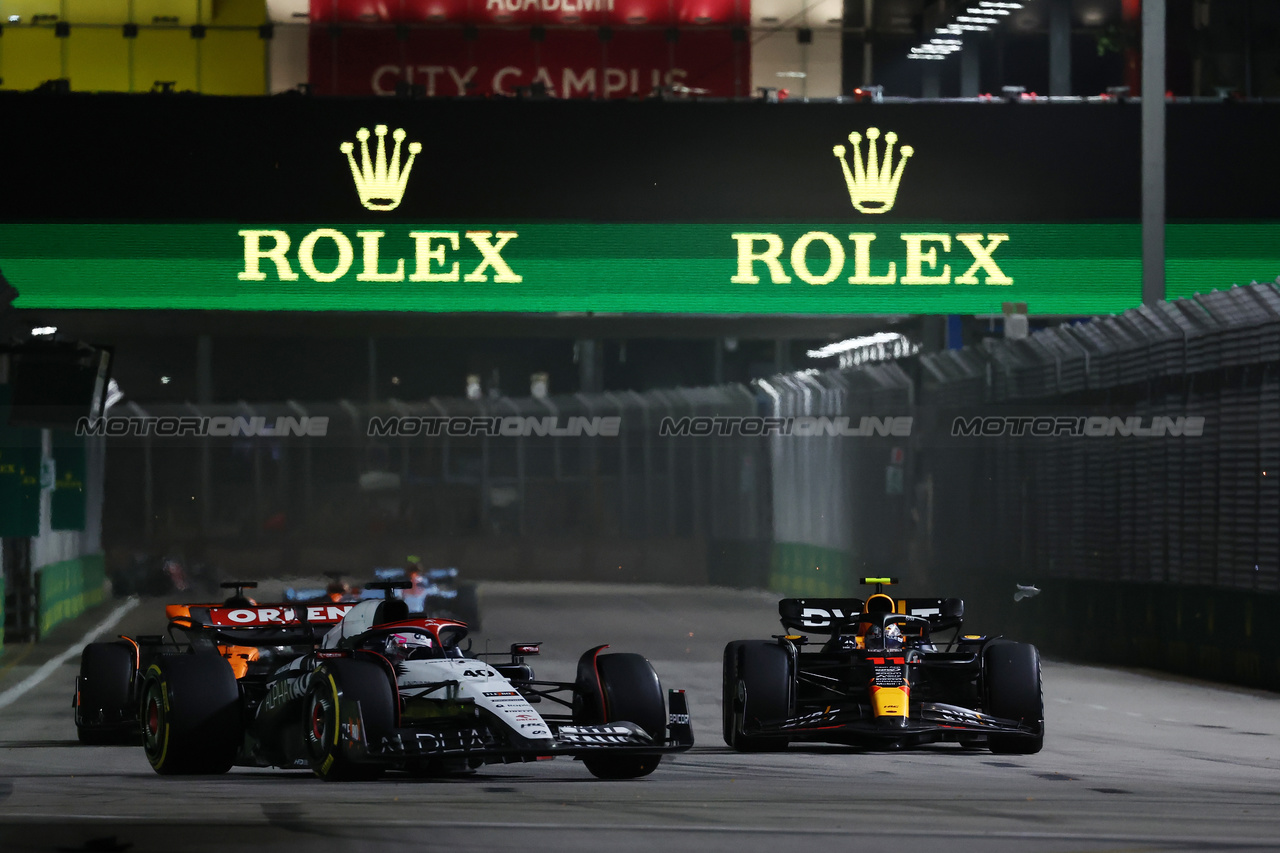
<point x="757" y="686"/>
<point x="633" y="694"/>
<point x="343" y="689"/>
<point x="106" y="679"/>
<point x="1011" y="672"/>
<point x="191" y="715"/>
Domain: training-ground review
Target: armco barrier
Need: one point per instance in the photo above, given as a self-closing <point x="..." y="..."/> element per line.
<point x="69" y="588"/>
<point x="1" y="614"/>
<point x="1203" y="632"/>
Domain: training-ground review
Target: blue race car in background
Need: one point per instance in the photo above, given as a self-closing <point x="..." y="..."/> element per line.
<point x="435" y="593"/>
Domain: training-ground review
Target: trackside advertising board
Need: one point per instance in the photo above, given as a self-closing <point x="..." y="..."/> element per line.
<point x="295" y="204"/>
<point x="600" y="49"/>
<point x="708" y="269"/>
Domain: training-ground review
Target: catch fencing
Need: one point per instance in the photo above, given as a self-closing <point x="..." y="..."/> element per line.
<point x="803" y="513"/>
<point x="1166" y="509"/>
<point x="583" y="487"/>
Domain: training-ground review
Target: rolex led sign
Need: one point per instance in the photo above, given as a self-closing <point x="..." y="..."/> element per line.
<point x="543" y="267"/>
<point x="645" y="208"/>
<point x="862" y="266"/>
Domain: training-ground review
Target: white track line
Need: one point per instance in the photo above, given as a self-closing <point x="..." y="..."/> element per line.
<point x="15" y="692"/>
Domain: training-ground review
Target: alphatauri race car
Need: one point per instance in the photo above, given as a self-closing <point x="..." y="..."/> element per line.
<point x="387" y="692"/>
<point x="108" y="688"/>
<point x="890" y="673"/>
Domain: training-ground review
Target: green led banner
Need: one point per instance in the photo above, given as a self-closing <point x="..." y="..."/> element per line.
<point x="670" y="268"/>
<point x="655" y="208"/>
<point x="807" y="269"/>
<point x="1200" y="258"/>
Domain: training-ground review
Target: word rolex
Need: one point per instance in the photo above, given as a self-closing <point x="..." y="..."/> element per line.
<point x="921" y="262"/>
<point x="432" y="260"/>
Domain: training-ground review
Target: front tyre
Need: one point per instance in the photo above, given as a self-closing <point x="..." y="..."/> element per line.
<point x="191" y="715"/>
<point x="1013" y="691"/>
<point x="757" y="686"/>
<point x="633" y="694"/>
<point x="344" y="690"/>
<point x="103" y="702"/>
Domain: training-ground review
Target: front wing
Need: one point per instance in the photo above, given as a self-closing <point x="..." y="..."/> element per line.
<point x="930" y="722"/>
<point x="451" y="742"/>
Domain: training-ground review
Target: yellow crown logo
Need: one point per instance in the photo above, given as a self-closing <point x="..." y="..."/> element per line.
<point x="873" y="186"/>
<point x="380" y="185"/>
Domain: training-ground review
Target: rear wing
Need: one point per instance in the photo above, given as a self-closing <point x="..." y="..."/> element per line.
<point x="270" y="615"/>
<point x="825" y="615"/>
<point x="819" y="615"/>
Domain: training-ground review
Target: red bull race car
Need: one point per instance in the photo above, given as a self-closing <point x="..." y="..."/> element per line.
<point x="384" y="691"/>
<point x="889" y="673"/>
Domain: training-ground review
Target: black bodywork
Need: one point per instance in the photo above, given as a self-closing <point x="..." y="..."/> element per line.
<point x="350" y="705"/>
<point x="108" y="688"/>
<point x="952" y="686"/>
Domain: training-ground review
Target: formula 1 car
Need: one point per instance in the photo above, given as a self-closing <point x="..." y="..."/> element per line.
<point x="435" y="593"/>
<point x="387" y="692"/>
<point x="108" y="688"/>
<point x="883" y="678"/>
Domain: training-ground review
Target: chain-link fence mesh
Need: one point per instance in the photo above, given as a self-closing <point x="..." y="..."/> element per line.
<point x="805" y="509"/>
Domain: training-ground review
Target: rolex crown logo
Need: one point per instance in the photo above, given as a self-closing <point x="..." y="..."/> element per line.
<point x="873" y="182"/>
<point x="380" y="184"/>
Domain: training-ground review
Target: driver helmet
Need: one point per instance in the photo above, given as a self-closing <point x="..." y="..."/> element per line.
<point x="404" y="646"/>
<point x="888" y="639"/>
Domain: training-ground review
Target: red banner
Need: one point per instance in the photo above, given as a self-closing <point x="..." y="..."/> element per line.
<point x="588" y="13"/>
<point x="569" y="63"/>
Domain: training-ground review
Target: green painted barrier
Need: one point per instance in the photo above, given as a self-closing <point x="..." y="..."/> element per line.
<point x="801" y="570"/>
<point x="69" y="588"/>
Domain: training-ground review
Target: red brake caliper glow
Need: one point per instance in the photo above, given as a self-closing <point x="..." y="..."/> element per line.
<point x="317" y="721"/>
<point x="153" y="716"/>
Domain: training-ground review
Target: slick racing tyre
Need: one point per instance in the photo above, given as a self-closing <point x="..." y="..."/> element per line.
<point x="1011" y="672"/>
<point x="106" y="678"/>
<point x="757" y="686"/>
<point x="633" y="694"/>
<point x="342" y="690"/>
<point x="191" y="715"/>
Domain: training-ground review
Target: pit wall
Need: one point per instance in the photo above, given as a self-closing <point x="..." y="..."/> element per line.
<point x="1198" y="631"/>
<point x="68" y="588"/>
